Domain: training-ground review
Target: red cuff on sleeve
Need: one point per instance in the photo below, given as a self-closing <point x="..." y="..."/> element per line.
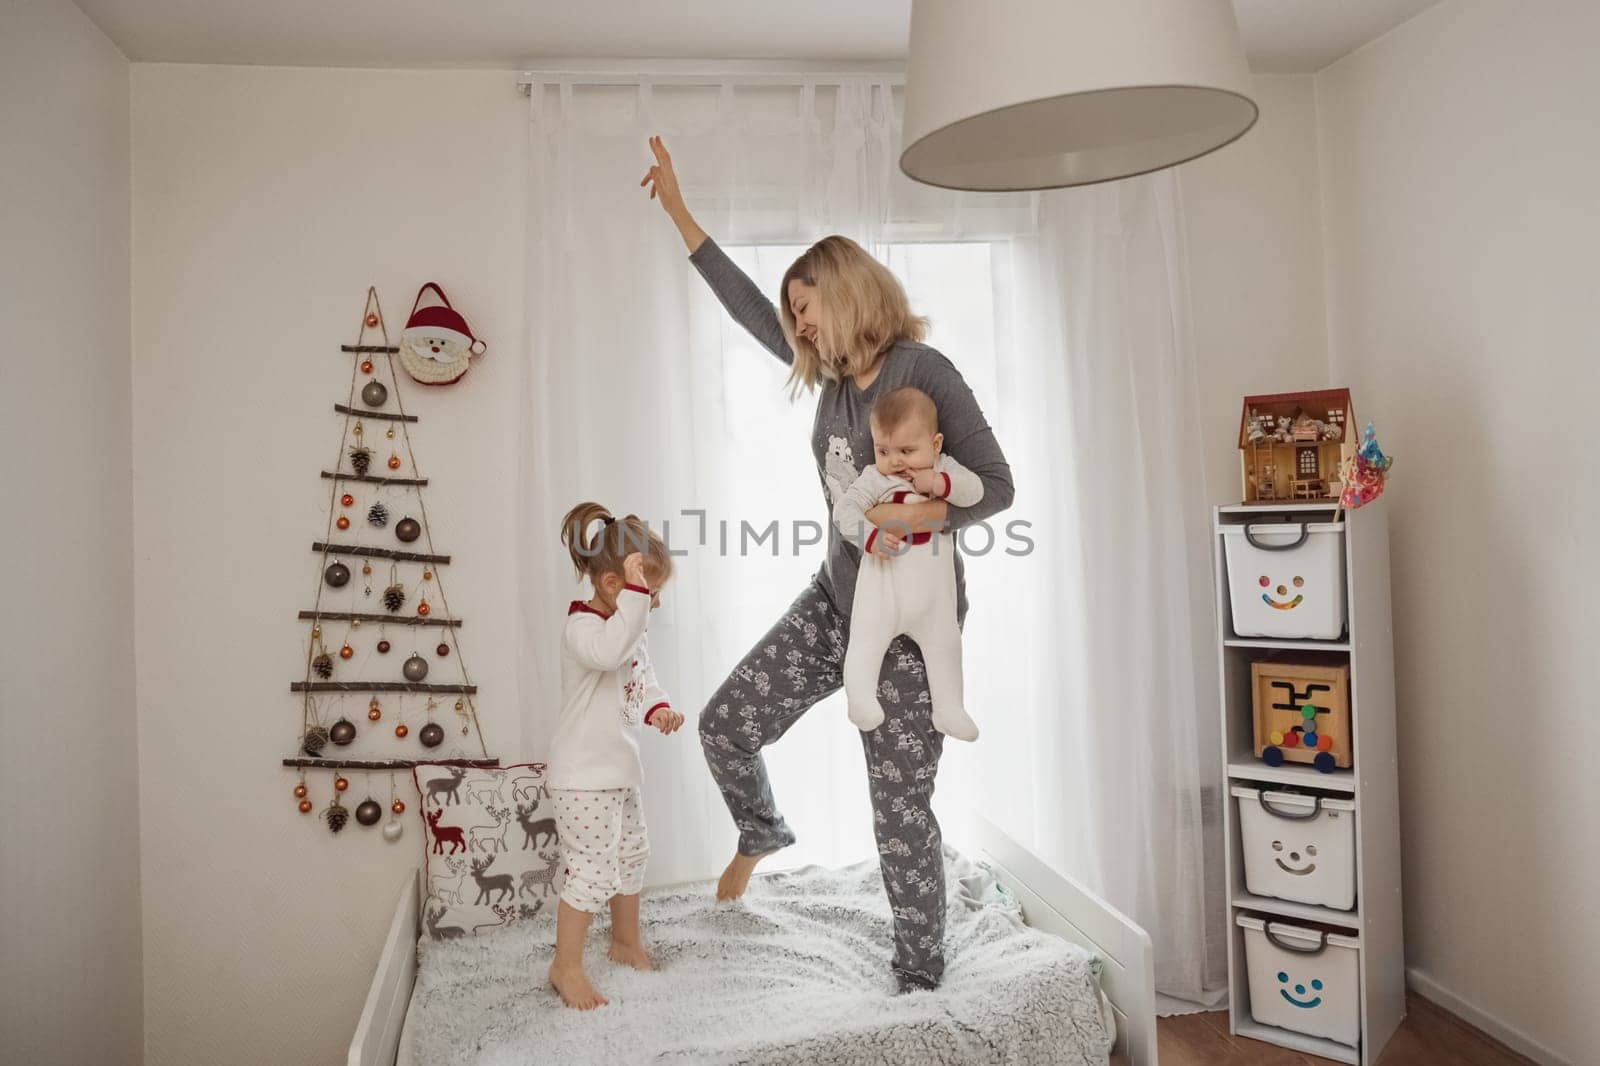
<point x="654" y="709"/>
<point x="637" y="588"/>
<point x="866" y="549"/>
<point x="945" y="495"/>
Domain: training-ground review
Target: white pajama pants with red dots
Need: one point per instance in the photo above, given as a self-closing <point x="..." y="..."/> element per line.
<point x="603" y="845"/>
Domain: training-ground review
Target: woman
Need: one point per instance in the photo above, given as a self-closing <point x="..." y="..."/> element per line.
<point x="846" y="331"/>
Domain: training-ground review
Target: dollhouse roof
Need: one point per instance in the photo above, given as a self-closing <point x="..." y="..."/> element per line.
<point x="1317" y="403"/>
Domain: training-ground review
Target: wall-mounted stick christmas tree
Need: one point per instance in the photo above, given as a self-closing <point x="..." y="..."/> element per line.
<point x="370" y="519"/>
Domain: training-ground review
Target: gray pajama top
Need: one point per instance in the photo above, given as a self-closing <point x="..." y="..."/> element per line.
<point x="841" y="437"/>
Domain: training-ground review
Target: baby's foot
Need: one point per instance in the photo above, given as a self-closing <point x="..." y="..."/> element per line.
<point x="575" y="988"/>
<point x="866" y="717"/>
<point x="736" y="878"/>
<point x="631" y="955"/>
<point x="955" y="724"/>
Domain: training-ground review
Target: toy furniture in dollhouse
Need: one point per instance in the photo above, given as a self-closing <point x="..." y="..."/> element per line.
<point x="1293" y="445"/>
<point x="1302" y="713"/>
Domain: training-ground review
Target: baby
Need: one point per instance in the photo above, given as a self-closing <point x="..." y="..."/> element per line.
<point x="608" y="690"/>
<point x="915" y="594"/>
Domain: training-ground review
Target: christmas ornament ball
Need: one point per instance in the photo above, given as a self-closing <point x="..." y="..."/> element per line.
<point x="401" y="730"/>
<point x="340" y="784"/>
<point x="305" y="806"/>
<point x="374" y="713"/>
<point x="443" y="650"/>
<point x="337" y="575"/>
<point x="416" y="668"/>
<point x="392" y="831"/>
<point x="343" y="522"/>
<point x="369" y="811"/>
<point x="383" y="647"/>
<point x="423" y="608"/>
<point x="366" y="366"/>
<point x="432" y="735"/>
<point x="347" y="652"/>
<point x="300" y="791"/>
<point x="394" y="462"/>
<point x="372" y="320"/>
<point x="408" y="529"/>
<point x="347" y="500"/>
<point x="398" y="806"/>
<point x="342" y="733"/>
<point x="373" y="394"/>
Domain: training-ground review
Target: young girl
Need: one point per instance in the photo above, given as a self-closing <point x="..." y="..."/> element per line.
<point x="608" y="688"/>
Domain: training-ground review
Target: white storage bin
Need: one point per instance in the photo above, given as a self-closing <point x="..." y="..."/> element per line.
<point x="1303" y="979"/>
<point x="1300" y="848"/>
<point x="1286" y="580"/>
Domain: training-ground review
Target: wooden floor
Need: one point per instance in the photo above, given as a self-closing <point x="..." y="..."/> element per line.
<point x="1429" y="1036"/>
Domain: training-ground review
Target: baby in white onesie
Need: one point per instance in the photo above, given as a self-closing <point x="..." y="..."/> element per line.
<point x="608" y="690"/>
<point x="906" y="584"/>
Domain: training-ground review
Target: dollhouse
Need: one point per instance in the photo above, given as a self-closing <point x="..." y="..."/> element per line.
<point x="1293" y="445"/>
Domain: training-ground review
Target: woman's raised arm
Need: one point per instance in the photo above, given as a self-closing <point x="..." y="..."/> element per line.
<point x="741" y="296"/>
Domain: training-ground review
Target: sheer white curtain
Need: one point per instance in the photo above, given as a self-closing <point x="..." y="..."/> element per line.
<point x="1087" y="658"/>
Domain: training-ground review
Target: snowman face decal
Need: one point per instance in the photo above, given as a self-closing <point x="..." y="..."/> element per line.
<point x="1281" y="604"/>
<point x="1295" y="857"/>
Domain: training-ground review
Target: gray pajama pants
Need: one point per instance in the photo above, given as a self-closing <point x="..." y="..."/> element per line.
<point x="797" y="663"/>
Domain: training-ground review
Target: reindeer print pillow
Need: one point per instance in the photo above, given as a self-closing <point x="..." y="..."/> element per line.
<point x="492" y="858"/>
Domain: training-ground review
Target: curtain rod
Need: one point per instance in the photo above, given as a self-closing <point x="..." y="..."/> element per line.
<point x="748" y="75"/>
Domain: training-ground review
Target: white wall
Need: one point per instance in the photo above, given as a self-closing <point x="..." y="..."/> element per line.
<point x="70" y="990"/>
<point x="1459" y="157"/>
<point x="1253" y="235"/>
<point x="264" y="202"/>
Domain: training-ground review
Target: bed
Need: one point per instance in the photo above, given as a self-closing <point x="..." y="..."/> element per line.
<point x="395" y="1030"/>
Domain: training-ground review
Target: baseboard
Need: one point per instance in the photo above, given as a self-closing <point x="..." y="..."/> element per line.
<point x="1509" y="1035"/>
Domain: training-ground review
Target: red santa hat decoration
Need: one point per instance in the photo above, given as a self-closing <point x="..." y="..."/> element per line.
<point x="437" y="345"/>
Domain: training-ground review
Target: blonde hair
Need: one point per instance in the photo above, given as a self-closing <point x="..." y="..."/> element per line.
<point x="613" y="541"/>
<point x="903" y="404"/>
<point x="867" y="312"/>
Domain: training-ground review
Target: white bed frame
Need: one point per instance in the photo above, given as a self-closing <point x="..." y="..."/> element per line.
<point x="1050" y="902"/>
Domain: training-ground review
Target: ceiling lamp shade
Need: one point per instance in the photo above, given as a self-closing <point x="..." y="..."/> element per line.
<point x="1005" y="95"/>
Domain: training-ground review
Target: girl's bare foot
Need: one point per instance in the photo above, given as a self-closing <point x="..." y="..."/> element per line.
<point x="574" y="986"/>
<point x="631" y="955"/>
<point x="736" y="878"/>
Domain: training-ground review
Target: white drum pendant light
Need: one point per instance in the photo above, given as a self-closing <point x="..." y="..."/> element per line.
<point x="1038" y="94"/>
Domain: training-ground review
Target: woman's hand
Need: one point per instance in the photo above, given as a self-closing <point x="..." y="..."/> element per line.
<point x="662" y="181"/>
<point x="925" y="517"/>
<point x="633" y="570"/>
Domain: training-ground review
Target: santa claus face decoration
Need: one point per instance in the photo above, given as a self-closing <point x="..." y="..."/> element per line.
<point x="437" y="345"/>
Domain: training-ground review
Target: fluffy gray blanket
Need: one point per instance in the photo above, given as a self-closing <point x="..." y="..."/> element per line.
<point x="796" y="974"/>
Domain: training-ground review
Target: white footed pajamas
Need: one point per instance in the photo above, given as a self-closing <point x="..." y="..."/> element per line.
<point x="603" y="843"/>
<point x="913" y="593"/>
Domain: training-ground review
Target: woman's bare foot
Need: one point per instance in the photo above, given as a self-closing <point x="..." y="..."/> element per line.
<point x="575" y="989"/>
<point x="736" y="878"/>
<point x="631" y="955"/>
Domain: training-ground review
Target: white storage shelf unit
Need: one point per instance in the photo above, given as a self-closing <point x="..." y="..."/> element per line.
<point x="1371" y="782"/>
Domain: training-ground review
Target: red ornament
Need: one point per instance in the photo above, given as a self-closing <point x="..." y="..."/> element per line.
<point x="366" y="366"/>
<point x="443" y="650"/>
<point x="401" y="730"/>
<point x="372" y="320"/>
<point x="383" y="647"/>
<point x="423" y="608"/>
<point x="347" y="499"/>
<point x="340" y="784"/>
<point x="343" y="523"/>
<point x="374" y="713"/>
<point x="347" y="652"/>
<point x="300" y="791"/>
<point x="398" y="806"/>
<point x="394" y="462"/>
<point x="305" y="806"/>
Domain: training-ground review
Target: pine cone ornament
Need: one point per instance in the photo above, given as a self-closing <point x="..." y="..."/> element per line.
<point x="361" y="459"/>
<point x="314" y="741"/>
<point x="336" y="814"/>
<point x="394" y="597"/>
<point x="378" y="515"/>
<point x="323" y="665"/>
